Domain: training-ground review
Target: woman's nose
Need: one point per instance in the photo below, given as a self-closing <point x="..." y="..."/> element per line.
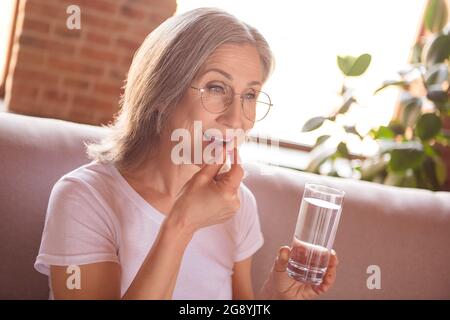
<point x="233" y="117"/>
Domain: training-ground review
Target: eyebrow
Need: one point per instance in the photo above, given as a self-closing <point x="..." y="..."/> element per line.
<point x="228" y="76"/>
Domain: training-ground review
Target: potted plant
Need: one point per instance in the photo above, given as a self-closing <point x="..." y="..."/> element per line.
<point x="410" y="146"/>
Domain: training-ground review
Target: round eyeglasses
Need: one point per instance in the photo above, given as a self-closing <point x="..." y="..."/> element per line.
<point x="217" y="98"/>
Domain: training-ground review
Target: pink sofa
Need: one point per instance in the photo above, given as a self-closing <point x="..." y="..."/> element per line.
<point x="406" y="232"/>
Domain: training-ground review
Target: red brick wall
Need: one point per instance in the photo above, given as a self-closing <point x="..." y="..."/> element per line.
<point x="77" y="75"/>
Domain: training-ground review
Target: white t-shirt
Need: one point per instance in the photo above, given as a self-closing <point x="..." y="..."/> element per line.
<point x="94" y="215"/>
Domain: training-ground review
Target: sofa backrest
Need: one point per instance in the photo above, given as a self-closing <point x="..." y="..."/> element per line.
<point x="34" y="154"/>
<point x="405" y="232"/>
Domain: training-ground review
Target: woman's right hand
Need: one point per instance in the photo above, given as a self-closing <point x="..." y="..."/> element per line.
<point x="208" y="198"/>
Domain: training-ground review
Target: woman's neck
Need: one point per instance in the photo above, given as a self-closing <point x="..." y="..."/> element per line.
<point x="160" y="175"/>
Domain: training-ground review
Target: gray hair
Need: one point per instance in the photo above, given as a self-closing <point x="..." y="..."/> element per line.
<point x="161" y="71"/>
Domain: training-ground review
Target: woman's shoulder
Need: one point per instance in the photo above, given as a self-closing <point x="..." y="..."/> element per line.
<point x="84" y="193"/>
<point x="92" y="173"/>
<point x="91" y="179"/>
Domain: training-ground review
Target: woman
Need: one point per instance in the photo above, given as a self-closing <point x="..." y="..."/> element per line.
<point x="134" y="223"/>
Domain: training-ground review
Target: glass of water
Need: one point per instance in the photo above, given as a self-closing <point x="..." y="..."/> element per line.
<point x="315" y="231"/>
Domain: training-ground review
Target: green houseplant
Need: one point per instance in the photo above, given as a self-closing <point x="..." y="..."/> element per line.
<point x="350" y="67"/>
<point x="409" y="146"/>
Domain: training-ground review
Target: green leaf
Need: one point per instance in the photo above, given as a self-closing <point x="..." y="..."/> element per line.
<point x="428" y="126"/>
<point x="321" y="140"/>
<point x="437" y="95"/>
<point x="346" y="105"/>
<point x="416" y="55"/>
<point x="319" y="158"/>
<point x="343" y="90"/>
<point x="434" y="172"/>
<point x="436" y="15"/>
<point x="441" y="170"/>
<point x="411" y="110"/>
<point x="444" y="107"/>
<point x="437" y="50"/>
<point x="352" y="129"/>
<point x="389" y="83"/>
<point x="354" y="66"/>
<point x="361" y="64"/>
<point x="429" y="150"/>
<point x="396" y="127"/>
<point x="342" y="150"/>
<point x="372" y="167"/>
<point x="436" y="74"/>
<point x="383" y="133"/>
<point x="443" y="138"/>
<point x="429" y="173"/>
<point x="403" y="159"/>
<point x="345" y="63"/>
<point x="313" y="124"/>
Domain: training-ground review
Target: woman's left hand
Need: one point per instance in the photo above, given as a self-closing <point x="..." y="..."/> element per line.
<point x="283" y="287"/>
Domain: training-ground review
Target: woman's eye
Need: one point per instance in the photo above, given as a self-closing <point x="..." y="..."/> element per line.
<point x="216" y="89"/>
<point x="250" y="96"/>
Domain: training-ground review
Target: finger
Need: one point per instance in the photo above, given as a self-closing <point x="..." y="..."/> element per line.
<point x="323" y="287"/>
<point x="330" y="275"/>
<point x="207" y="172"/>
<point x="282" y="259"/>
<point x="328" y="279"/>
<point x="236" y="171"/>
<point x="219" y="155"/>
<point x="332" y="266"/>
<point x="232" y="178"/>
<point x="235" y="158"/>
<point x="334" y="261"/>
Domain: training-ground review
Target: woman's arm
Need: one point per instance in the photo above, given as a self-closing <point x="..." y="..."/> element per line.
<point x="97" y="281"/>
<point x="242" y="280"/>
<point x="155" y="279"/>
<point x="242" y="283"/>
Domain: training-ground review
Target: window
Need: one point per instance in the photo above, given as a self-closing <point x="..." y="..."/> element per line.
<point x="306" y="37"/>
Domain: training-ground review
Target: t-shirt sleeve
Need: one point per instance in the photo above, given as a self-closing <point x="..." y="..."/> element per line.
<point x="78" y="228"/>
<point x="249" y="237"/>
